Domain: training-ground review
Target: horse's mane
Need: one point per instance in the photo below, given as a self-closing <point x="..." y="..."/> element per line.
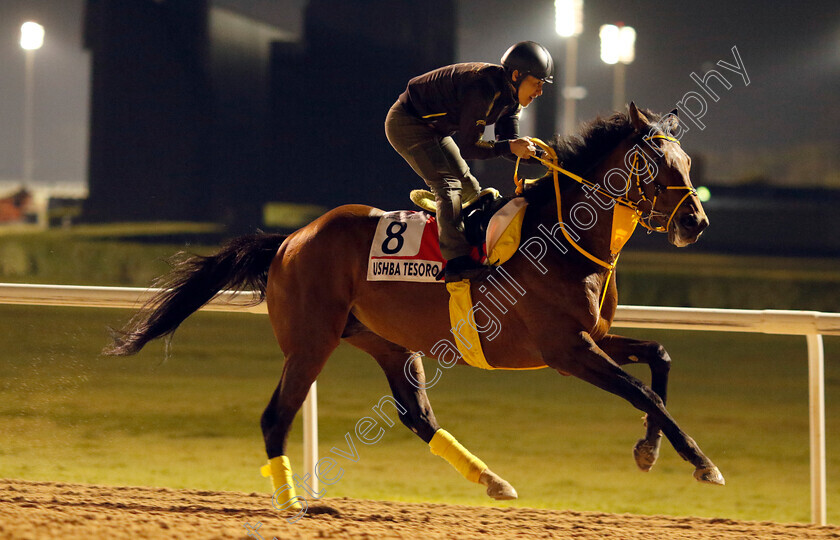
<point x="581" y="152"/>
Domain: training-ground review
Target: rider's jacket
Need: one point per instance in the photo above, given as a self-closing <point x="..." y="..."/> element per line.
<point x="465" y="98"/>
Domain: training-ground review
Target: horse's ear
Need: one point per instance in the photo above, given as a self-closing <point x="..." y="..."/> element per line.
<point x="671" y="121"/>
<point x="637" y="119"/>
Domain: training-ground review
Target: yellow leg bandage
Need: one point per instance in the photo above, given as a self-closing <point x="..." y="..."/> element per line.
<point x="282" y="483"/>
<point x="444" y="445"/>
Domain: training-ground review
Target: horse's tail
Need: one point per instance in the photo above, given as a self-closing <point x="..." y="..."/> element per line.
<point x="241" y="264"/>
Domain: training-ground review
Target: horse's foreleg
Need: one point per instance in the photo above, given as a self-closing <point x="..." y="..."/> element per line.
<point x="580" y="356"/>
<point x="626" y="350"/>
<point x="408" y="382"/>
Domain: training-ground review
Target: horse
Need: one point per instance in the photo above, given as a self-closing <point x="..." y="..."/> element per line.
<point x="314" y="283"/>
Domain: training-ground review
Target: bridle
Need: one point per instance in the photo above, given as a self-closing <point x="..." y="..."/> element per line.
<point x="645" y="220"/>
<point x="645" y="217"/>
<point x="630" y="216"/>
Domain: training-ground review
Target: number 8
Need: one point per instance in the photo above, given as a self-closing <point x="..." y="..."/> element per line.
<point x="394" y="232"/>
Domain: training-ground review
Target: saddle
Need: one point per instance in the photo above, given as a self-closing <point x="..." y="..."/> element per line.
<point x="476" y="213"/>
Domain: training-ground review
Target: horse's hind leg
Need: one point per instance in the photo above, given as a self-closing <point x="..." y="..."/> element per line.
<point x="299" y="372"/>
<point x="624" y="350"/>
<point x="306" y="346"/>
<point x="408" y="382"/>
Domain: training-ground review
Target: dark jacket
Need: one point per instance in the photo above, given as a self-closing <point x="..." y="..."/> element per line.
<point x="465" y="98"/>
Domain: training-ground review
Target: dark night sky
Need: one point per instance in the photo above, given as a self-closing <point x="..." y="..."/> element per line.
<point x="790" y="49"/>
<point x="791" y="52"/>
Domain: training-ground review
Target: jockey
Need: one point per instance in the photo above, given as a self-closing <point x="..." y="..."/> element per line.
<point x="465" y="98"/>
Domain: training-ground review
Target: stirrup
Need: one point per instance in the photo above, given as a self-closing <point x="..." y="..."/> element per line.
<point x="471" y="274"/>
<point x="425" y="199"/>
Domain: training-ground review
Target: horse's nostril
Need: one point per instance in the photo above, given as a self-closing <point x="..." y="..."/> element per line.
<point x="693" y="224"/>
<point x="689" y="221"/>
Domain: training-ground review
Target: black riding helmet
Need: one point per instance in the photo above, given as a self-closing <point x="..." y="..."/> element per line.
<point x="529" y="58"/>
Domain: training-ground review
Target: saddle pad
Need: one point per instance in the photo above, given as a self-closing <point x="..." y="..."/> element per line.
<point x="405" y="248"/>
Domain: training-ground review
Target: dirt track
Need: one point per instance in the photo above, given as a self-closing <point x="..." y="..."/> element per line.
<point x="60" y="510"/>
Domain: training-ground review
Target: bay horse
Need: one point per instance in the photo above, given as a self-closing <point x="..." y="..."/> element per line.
<point x="314" y="282"/>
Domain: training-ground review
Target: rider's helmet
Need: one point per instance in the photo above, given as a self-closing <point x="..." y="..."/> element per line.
<point x="529" y="58"/>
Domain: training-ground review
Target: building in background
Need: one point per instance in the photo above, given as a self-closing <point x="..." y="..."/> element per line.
<point x="331" y="93"/>
<point x="150" y="110"/>
<point x="199" y="113"/>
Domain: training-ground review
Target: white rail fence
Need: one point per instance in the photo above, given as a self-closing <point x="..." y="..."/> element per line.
<point x="811" y="324"/>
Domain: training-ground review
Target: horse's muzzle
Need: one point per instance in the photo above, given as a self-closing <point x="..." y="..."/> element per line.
<point x="687" y="228"/>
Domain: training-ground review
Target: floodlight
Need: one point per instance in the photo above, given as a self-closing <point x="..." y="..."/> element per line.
<point x="31" y="36"/>
<point x="568" y="17"/>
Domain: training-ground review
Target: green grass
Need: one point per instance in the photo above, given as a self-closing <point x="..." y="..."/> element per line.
<point x="118" y="254"/>
<point x="67" y="414"/>
<point x="683" y="278"/>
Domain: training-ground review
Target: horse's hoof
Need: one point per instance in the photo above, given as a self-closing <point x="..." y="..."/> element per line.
<point x="497" y="488"/>
<point x="709" y="475"/>
<point x="645" y="453"/>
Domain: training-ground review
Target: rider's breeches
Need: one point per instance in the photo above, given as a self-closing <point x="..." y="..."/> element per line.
<point x="438" y="161"/>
